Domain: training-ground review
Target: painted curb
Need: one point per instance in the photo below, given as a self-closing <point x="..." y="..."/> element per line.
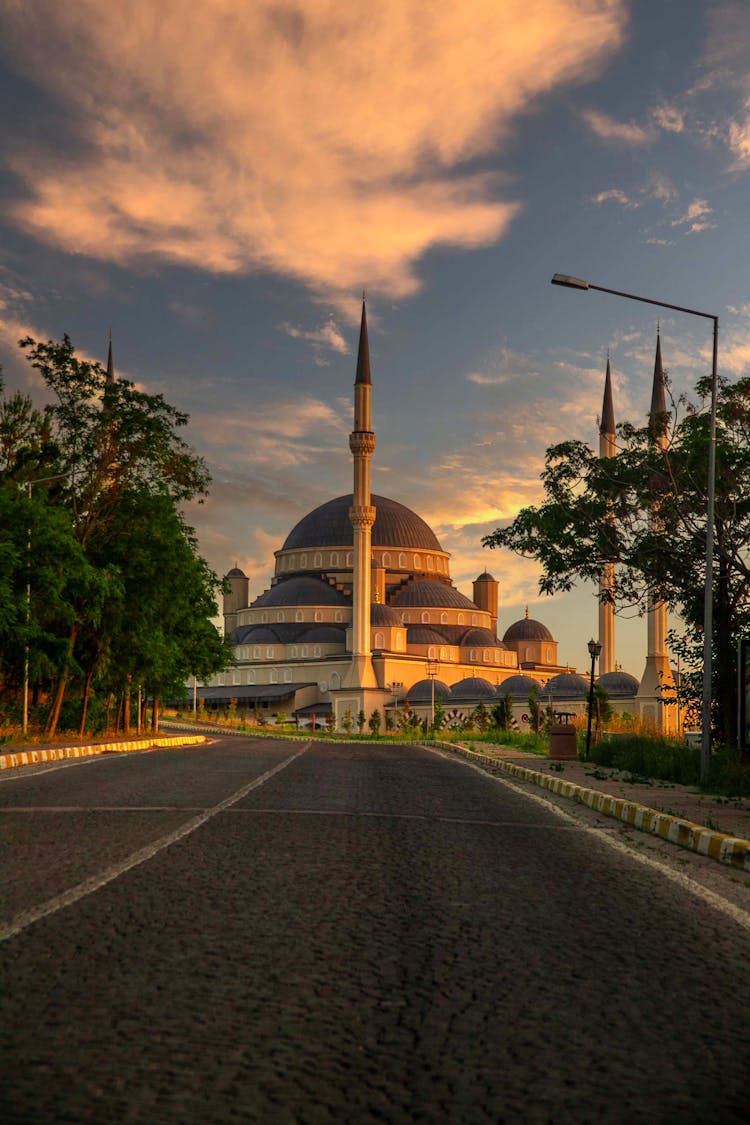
<point x="59" y="753"/>
<point x="731" y="850"/>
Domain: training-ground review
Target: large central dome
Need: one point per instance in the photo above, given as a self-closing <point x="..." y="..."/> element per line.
<point x="329" y="526"/>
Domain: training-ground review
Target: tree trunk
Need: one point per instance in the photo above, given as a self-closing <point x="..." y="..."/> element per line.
<point x="126" y="711"/>
<point x="724" y="688"/>
<point x="118" y="720"/>
<point x="54" y="715"/>
<point x="155" y="716"/>
<point x="86" y="697"/>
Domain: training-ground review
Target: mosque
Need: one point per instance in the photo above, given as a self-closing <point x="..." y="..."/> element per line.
<point x="361" y="615"/>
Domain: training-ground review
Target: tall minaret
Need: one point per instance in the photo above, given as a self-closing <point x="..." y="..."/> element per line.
<point x="657" y="673"/>
<point x="607" y="579"/>
<point x="362" y="516"/>
<point x="110" y="363"/>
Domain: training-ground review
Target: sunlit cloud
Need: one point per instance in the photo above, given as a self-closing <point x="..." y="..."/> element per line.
<point x="617" y="132"/>
<point x="328" y="336"/>
<point x="669" y="118"/>
<point x="696" y="217"/>
<point x="615" y="195"/>
<point x="254" y="137"/>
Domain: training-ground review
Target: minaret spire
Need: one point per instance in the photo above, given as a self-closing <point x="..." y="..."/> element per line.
<point x="658" y="395"/>
<point x="110" y="363"/>
<point x="607" y="576"/>
<point x="362" y="516"/>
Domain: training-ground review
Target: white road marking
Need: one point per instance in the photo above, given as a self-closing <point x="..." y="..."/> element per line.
<point x="23" y="773"/>
<point x="96" y="882"/>
<point x="684" y="881"/>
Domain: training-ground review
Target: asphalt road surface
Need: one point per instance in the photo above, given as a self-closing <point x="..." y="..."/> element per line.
<point x="283" y="932"/>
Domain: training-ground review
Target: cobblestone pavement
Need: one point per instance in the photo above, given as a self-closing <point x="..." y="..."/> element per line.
<point x="368" y="934"/>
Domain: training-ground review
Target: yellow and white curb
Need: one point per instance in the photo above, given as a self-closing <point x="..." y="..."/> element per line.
<point x="716" y="845"/>
<point x="59" y="753"/>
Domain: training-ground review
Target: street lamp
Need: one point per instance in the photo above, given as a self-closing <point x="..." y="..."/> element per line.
<point x="28" y="486"/>
<point x="578" y="283"/>
<point x="431" y="667"/>
<point x="594" y="649"/>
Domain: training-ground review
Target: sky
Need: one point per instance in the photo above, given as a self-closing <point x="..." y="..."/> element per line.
<point x="217" y="183"/>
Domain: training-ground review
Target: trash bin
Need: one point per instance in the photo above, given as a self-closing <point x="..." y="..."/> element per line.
<point x="563" y="742"/>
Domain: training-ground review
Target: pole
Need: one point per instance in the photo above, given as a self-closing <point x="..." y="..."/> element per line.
<point x="25" y="716"/>
<point x="591" y="706"/>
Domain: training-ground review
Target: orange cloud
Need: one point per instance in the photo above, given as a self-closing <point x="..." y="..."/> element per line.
<point x="326" y="141"/>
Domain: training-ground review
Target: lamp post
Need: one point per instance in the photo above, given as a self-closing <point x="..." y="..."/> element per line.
<point x="578" y="283"/>
<point x="431" y="667"/>
<point x="28" y="487"/>
<point x="594" y="649"/>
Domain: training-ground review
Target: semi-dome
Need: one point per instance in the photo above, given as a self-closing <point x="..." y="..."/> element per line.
<point x="421" y="691"/>
<point x="382" y="614"/>
<point x="482" y="638"/>
<point x="301" y="590"/>
<point x="258" y="635"/>
<point x="423" y="635"/>
<point x="618" y="684"/>
<point x="473" y="687"/>
<point x="518" y="687"/>
<point x="323" y="635"/>
<point x="427" y="592"/>
<point x="329" y="526"/>
<point x="527" y="629"/>
<point x="568" y="685"/>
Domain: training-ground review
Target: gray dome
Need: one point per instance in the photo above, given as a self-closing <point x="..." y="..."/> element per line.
<point x="527" y="630"/>
<point x="260" y="635"/>
<point x="323" y="635"/>
<point x="381" y="614"/>
<point x="427" y="592"/>
<point x="473" y="687"/>
<point x="483" y="638"/>
<point x="568" y="685"/>
<point x="235" y="572"/>
<point x="329" y="526"/>
<point x="618" y="684"/>
<point x="421" y="691"/>
<point x="485" y="576"/>
<point x="423" y="635"/>
<point x="301" y="590"/>
<point x="518" y="687"/>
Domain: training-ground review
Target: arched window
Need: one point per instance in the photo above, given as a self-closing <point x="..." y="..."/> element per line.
<point x="473" y="618"/>
<point x="443" y="618"/>
<point x="417" y="562"/>
<point x="269" y="652"/>
<point x="235" y="676"/>
<point x="303" y="652"/>
<point x="461" y="619"/>
<point x="299" y="615"/>
<point x="264" y="618"/>
<point x="334" y="558"/>
<point x="287" y="675"/>
<point x="386" y="559"/>
<point x="402" y="560"/>
<point x="400" y="642"/>
<point x="379" y="640"/>
<point x="430" y="565"/>
<point x="256" y="652"/>
<point x="431" y="652"/>
<point x="405" y="618"/>
<point x="338" y="615"/>
<point x="280" y="615"/>
<point x="293" y="652"/>
<point x="425" y="617"/>
<point x="442" y="654"/>
<point x="318" y="614"/>
<point x="316" y="650"/>
<point x="473" y="654"/>
<point x="303" y="561"/>
<point x="251" y="676"/>
<point x="318" y="560"/>
<point x="348" y="558"/>
<point x="220" y="679"/>
<point x="335" y="681"/>
<point x="273" y="676"/>
<point x="292" y="562"/>
<point x="486" y="655"/>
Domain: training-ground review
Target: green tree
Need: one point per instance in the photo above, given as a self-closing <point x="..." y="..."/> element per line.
<point x="438" y="721"/>
<point x="480" y="716"/>
<point x="535" y="710"/>
<point x="374" y="723"/>
<point x="347" y="722"/>
<point x="502" y="713"/>
<point x="360" y="721"/>
<point x="645" y="511"/>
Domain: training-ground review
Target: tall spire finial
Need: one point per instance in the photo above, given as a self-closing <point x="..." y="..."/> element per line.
<point x="363" y="355"/>
<point x="658" y="397"/>
<point x="110" y="362"/>
<point x="607" y="424"/>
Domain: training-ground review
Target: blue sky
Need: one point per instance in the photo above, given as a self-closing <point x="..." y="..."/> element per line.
<point x="219" y="187"/>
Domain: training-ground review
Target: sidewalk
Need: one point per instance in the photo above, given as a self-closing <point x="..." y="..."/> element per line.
<point x="13" y="756"/>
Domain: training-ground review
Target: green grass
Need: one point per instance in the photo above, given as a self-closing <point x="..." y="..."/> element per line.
<point x="664" y="759"/>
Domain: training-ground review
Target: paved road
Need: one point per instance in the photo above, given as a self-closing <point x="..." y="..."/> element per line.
<point x="366" y="934"/>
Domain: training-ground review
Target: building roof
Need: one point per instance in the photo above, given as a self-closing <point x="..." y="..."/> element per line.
<point x="482" y="638"/>
<point x="518" y="687"/>
<point x="324" y="635"/>
<point x="301" y="589"/>
<point x="423" y="635"/>
<point x="567" y="685"/>
<point x="421" y="691"/>
<point x="329" y="526"/>
<point x="618" y="684"/>
<point x="381" y="614"/>
<point x="427" y="592"/>
<point x="485" y="576"/>
<point x="235" y="572"/>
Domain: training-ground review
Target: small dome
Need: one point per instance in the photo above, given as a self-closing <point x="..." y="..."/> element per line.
<point x="473" y="687"/>
<point x="485" y="576"/>
<point x="518" y="687"/>
<point x="381" y="614"/>
<point x="568" y="685"/>
<point x="618" y="684"/>
<point x="235" y="572"/>
<point x="421" y="691"/>
<point x="323" y="635"/>
<point x="527" y="630"/>
<point x="423" y="635"/>
<point x="482" y="638"/>
<point x="259" y="635"/>
<point x="301" y="590"/>
<point x="427" y="592"/>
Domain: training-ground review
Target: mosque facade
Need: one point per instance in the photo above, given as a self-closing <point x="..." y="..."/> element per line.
<point x="362" y="615"/>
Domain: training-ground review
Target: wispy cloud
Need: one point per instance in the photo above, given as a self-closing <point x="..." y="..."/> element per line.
<point x="696" y="217"/>
<point x="253" y="137"/>
<point x="617" y="132"/>
<point x="615" y="195"/>
<point x="328" y="336"/>
<point x="669" y="118"/>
